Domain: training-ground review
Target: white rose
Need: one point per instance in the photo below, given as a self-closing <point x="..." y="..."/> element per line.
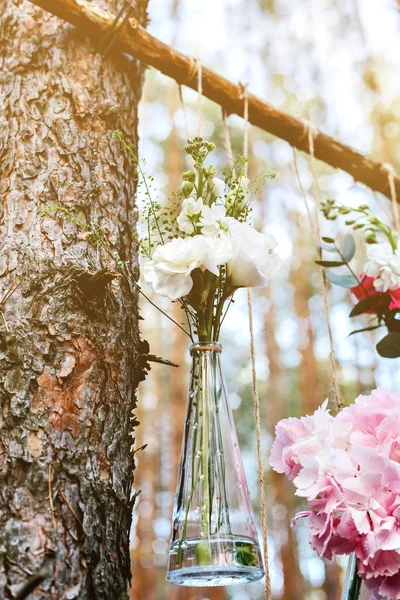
<point x="383" y="266"/>
<point x="253" y="261"/>
<point x="213" y="220"/>
<point x="218" y="186"/>
<point x="190" y="208"/>
<point x="169" y="270"/>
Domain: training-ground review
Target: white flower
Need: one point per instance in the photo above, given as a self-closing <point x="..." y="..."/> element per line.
<point x="190" y="208"/>
<point x="170" y="268"/>
<point x="253" y="261"/>
<point x="383" y="266"/>
<point x="218" y="186"/>
<point x="213" y="220"/>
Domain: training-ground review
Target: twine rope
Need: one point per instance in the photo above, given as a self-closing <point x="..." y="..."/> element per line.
<point x="315" y="226"/>
<point x="256" y="399"/>
<point x="200" y="96"/>
<point x="195" y="68"/>
<point x="204" y="348"/>
<point x="303" y="193"/>
<point x="395" y="206"/>
<point x="183" y="110"/>
<point x="192" y="70"/>
<point x="227" y="138"/>
<point x="260" y="468"/>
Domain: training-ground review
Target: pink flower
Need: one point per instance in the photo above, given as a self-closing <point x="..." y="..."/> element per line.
<point x="374" y="421"/>
<point x="299" y="437"/>
<point x="348" y="468"/>
<point x="366" y="288"/>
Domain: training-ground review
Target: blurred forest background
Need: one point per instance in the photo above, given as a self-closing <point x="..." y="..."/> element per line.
<point x="334" y="63"/>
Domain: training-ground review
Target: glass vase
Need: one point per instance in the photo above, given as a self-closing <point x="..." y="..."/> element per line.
<point x="214" y="538"/>
<point x="354" y="588"/>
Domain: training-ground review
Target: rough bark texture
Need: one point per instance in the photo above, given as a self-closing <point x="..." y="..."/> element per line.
<point x="69" y="339"/>
<point x="132" y="38"/>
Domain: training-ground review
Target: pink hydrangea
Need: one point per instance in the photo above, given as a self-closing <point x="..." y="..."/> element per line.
<point x="299" y="437"/>
<point x="348" y="469"/>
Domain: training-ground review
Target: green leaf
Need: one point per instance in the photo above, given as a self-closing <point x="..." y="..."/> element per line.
<point x="365" y="304"/>
<point x="389" y="346"/>
<point x="346" y="281"/>
<point x="393" y="324"/>
<point x="245" y="554"/>
<point x="328" y="240"/>
<point x="330" y="263"/>
<point x="349" y="248"/>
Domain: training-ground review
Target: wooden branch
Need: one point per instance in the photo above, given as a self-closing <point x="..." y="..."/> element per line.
<point x="136" y="41"/>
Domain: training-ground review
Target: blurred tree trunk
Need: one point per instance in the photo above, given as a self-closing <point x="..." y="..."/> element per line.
<point x="308" y="371"/>
<point x="69" y="338"/>
<point x="284" y="498"/>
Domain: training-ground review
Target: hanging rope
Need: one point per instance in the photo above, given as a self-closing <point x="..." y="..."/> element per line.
<point x="245" y="95"/>
<point x="260" y="467"/>
<point x="296" y="170"/>
<point x="195" y="68"/>
<point x="200" y="96"/>
<point x="256" y="400"/>
<point x="315" y="226"/>
<point x="184" y="111"/>
<point x="395" y="206"/>
<point x="227" y="138"/>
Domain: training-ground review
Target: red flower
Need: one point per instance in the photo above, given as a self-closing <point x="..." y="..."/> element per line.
<point x="365" y="289"/>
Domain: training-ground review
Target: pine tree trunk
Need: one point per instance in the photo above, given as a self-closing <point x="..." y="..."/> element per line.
<point x="69" y="337"/>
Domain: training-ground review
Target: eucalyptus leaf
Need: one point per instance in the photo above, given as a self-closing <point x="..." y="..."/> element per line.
<point x="330" y="263"/>
<point x="346" y="281"/>
<point x="327" y="247"/>
<point x="389" y="346"/>
<point x="349" y="248"/>
<point x="393" y="324"/>
<point x="366" y="304"/>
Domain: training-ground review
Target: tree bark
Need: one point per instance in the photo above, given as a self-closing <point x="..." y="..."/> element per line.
<point x="69" y="338"/>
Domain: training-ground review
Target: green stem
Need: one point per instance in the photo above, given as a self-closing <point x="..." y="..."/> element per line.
<point x="209" y="314"/>
<point x="353" y="582"/>
<point x="218" y="313"/>
<point x="202" y="550"/>
<point x="200" y="184"/>
<point x="202" y="328"/>
<point x="387" y="231"/>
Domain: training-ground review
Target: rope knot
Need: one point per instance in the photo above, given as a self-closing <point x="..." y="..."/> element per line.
<point x="193" y="69"/>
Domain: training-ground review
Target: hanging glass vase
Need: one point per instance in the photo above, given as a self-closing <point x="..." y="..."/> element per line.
<point x="214" y="538"/>
<point x="354" y="588"/>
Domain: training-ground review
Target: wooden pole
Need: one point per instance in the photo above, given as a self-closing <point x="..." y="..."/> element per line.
<point x="133" y="39"/>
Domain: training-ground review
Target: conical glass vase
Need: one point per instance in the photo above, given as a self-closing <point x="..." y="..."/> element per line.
<point x="214" y="538"/>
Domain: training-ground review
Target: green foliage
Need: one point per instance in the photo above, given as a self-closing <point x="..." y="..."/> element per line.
<point x="245" y="554"/>
<point x="389" y="346"/>
<point x="199" y="149"/>
<point x="372" y="302"/>
<point x="346" y="281"/>
<point x="364" y="220"/>
<point x="377" y="302"/>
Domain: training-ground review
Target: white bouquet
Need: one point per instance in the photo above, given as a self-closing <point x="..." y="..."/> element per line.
<point x="201" y="249"/>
